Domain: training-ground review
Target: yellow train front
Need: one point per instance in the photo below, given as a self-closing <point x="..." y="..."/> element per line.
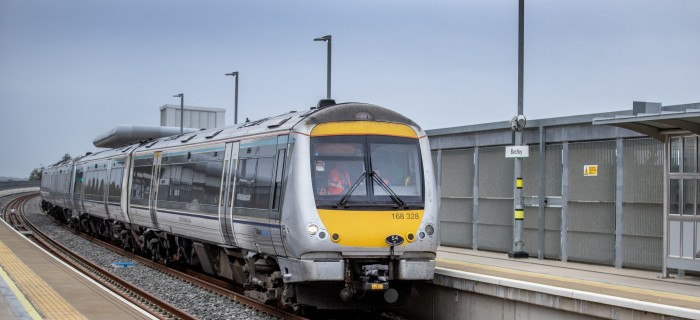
<point x="359" y="220"/>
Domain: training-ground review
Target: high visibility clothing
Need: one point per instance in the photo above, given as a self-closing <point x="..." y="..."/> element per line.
<point x="338" y="180"/>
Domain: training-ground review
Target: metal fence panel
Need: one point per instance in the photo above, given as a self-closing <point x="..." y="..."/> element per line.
<point x="642" y="213"/>
<point x="456" y="197"/>
<point x="643" y="176"/>
<point x="457" y="234"/>
<point x="591" y="232"/>
<point x="531" y="172"/>
<point x="592" y="188"/>
<point x="456" y="210"/>
<point x="554" y="170"/>
<point x="495" y="173"/>
<point x="495" y="225"/>
<point x="458" y="173"/>
<point x="495" y="222"/>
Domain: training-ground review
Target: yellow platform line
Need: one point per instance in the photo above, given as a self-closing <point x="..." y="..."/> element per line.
<point x="37" y="291"/>
<point x="20" y="296"/>
<point x="574" y="281"/>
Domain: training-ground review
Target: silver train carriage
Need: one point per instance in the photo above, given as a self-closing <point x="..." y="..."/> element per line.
<point x="334" y="208"/>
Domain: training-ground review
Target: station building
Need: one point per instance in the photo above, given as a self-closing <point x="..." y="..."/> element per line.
<point x="618" y="188"/>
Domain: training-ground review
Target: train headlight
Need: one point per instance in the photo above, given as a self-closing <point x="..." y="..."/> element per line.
<point x="312" y="229"/>
<point x="429" y="229"/>
<point x="410" y="237"/>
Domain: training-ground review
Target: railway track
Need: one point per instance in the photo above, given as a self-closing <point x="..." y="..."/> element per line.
<point x="13" y="213"/>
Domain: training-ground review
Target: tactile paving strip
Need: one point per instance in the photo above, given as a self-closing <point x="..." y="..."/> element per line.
<point x="49" y="303"/>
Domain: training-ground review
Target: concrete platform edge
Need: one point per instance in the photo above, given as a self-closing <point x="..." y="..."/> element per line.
<point x="572" y="294"/>
<point x="107" y="290"/>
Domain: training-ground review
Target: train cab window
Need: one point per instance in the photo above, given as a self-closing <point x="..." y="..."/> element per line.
<point x="366" y="171"/>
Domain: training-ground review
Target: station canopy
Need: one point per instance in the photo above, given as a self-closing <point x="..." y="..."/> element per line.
<point x="657" y="125"/>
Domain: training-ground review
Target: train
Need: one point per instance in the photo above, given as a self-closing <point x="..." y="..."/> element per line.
<point x="334" y="207"/>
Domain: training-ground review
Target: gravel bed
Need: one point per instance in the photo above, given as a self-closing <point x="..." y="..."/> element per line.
<point x="192" y="299"/>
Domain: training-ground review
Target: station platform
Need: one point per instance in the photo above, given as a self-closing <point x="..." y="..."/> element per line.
<point x="35" y="285"/>
<point x="555" y="284"/>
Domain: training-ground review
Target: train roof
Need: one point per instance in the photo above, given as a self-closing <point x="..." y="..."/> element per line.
<point x="326" y="111"/>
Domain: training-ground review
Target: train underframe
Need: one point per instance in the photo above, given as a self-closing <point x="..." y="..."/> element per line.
<point x="369" y="281"/>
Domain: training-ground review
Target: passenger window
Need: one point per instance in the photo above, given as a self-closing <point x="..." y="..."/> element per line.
<point x="263" y="183"/>
<point x="245" y="183"/>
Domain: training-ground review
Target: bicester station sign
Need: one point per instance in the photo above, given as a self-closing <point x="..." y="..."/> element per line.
<point x="517" y="151"/>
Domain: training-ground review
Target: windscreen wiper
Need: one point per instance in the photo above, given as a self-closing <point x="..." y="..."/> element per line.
<point x="347" y="195"/>
<point x="392" y="194"/>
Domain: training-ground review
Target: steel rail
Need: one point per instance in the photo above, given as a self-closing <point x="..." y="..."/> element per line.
<point x="207" y="282"/>
<point x="135" y="295"/>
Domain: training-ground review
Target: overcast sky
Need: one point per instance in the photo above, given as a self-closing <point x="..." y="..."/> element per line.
<point x="71" y="70"/>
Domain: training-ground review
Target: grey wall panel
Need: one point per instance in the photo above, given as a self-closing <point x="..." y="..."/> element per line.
<point x="498" y="212"/>
<point x="495" y="238"/>
<point x="495" y="173"/>
<point x="642" y="252"/>
<point x="643" y="163"/>
<point x="457" y="173"/>
<point x="552" y="218"/>
<point x="552" y="245"/>
<point x="531" y="218"/>
<point x="456" y="210"/>
<point x="592" y="188"/>
<point x="456" y="234"/>
<point x="554" y="170"/>
<point x="592" y="217"/>
<point x="530" y="172"/>
<point x="591" y="247"/>
<point x="642" y="219"/>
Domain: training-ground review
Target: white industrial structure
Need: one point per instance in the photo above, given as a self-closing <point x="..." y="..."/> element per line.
<point x="195" y="117"/>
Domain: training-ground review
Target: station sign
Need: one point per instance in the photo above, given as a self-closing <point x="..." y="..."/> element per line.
<point x="517" y="151"/>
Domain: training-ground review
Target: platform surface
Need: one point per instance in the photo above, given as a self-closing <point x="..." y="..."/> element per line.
<point x="34" y="285"/>
<point x="636" y="285"/>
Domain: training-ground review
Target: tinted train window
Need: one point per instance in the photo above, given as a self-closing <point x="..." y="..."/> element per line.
<point x="245" y="183"/>
<point x="141" y="185"/>
<point x="191" y="181"/>
<point x="116" y="176"/>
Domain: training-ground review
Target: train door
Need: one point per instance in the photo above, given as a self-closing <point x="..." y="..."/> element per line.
<point x="227" y="191"/>
<point x="153" y="195"/>
<point x="105" y="190"/>
<point x="78" y="190"/>
<point x="276" y="195"/>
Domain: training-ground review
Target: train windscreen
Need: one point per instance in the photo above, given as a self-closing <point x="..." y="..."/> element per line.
<point x="366" y="171"/>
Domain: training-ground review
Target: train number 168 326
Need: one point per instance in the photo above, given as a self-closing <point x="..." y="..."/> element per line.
<point x="405" y="216"/>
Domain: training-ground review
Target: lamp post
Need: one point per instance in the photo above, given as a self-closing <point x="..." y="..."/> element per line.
<point x="182" y="109"/>
<point x="327" y="38"/>
<point x="235" y="99"/>
<point x="518" y="124"/>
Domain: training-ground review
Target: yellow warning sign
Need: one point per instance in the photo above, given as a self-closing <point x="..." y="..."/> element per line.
<point x="590" y="170"/>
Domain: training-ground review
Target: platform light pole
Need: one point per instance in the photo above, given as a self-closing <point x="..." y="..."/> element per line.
<point x="235" y="99"/>
<point x="182" y="109"/>
<point x="518" y="124"/>
<point x="327" y="38"/>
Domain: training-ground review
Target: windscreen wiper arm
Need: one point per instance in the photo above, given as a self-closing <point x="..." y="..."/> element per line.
<point x="392" y="194"/>
<point x="347" y="195"/>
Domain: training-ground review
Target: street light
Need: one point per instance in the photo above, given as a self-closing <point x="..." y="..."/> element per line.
<point x="518" y="126"/>
<point x="235" y="103"/>
<point x="182" y="109"/>
<point x="327" y="38"/>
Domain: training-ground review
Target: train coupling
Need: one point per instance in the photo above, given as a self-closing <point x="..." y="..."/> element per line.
<point x="375" y="277"/>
